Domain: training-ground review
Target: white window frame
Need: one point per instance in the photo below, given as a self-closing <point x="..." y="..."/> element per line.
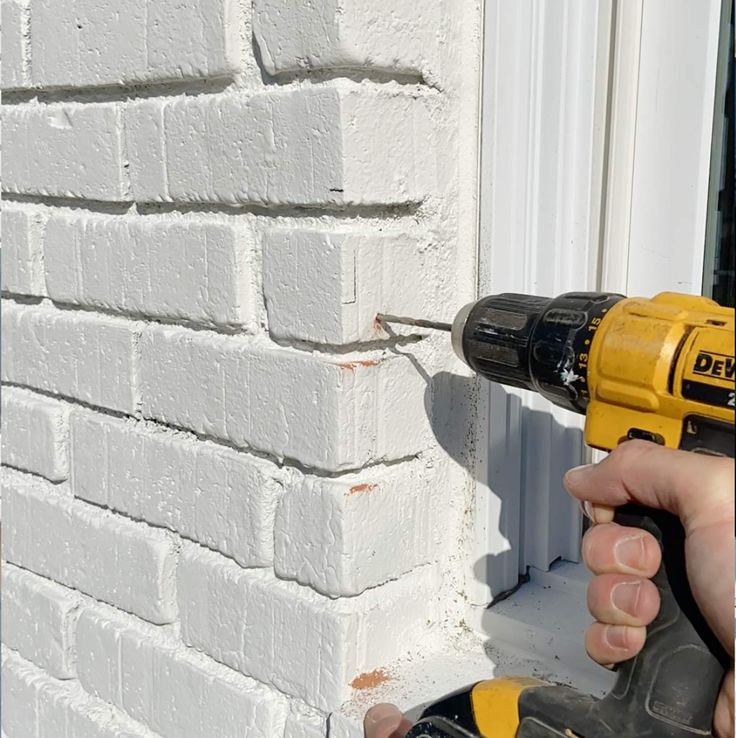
<point x="580" y="188"/>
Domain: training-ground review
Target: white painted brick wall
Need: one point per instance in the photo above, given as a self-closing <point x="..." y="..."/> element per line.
<point x="174" y="691"/>
<point x="39" y="618"/>
<point x="304" y="644"/>
<point x="35" y="433"/>
<point x="84" y="356"/>
<point x="329" y="412"/>
<point x="65" y="150"/>
<point x="35" y="704"/>
<point x="330" y="144"/>
<point x="80" y="43"/>
<point x="341" y="536"/>
<point x="395" y="36"/>
<point x="127" y="564"/>
<point x="177" y="269"/>
<point x="22" y="251"/>
<point x="229" y="510"/>
<point x="327" y="287"/>
<point x="14" y="30"/>
<point x="222" y="498"/>
<point x="304" y="722"/>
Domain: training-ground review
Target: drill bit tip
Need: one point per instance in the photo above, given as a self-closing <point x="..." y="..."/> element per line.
<point x="418" y="322"/>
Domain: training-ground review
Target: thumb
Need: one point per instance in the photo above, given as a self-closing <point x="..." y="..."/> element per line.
<point x="385" y="721"/>
<point x="699" y="489"/>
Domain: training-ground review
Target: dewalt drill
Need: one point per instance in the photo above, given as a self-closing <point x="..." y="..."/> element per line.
<point x="658" y="369"/>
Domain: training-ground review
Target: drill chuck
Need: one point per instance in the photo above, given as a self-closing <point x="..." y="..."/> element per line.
<point x="533" y="342"/>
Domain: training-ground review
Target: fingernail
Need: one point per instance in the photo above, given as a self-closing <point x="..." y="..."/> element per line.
<point x="380" y="712"/>
<point x="630" y="552"/>
<point x="578" y="474"/>
<point x="587" y="509"/>
<point x="616" y="636"/>
<point x="625" y="597"/>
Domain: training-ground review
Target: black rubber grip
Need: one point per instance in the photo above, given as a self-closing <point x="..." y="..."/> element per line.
<point x="670" y="689"/>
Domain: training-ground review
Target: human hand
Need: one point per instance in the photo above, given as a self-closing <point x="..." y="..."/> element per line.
<point x="385" y="721"/>
<point x="699" y="489"/>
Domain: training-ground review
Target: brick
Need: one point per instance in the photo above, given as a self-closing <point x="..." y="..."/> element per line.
<point x="98" y="655"/>
<point x="145" y="142"/>
<point x="22" y="251"/>
<point x="66" y="150"/>
<point x="344" y="726"/>
<point x="81" y="43"/>
<point x="88" y="357"/>
<point x="35" y="433"/>
<point x="38" y="620"/>
<point x="39" y="426"/>
<point x="127" y="564"/>
<point x="222" y="498"/>
<point x="15" y="28"/>
<point x="302" y="643"/>
<point x="35" y="704"/>
<point x="19" y="713"/>
<point x="303" y="722"/>
<point x="343" y="535"/>
<point x="398" y="37"/>
<point x="173" y="690"/>
<point x="329" y="412"/>
<point x="328" y="286"/>
<point x="326" y="145"/>
<point x="178" y="269"/>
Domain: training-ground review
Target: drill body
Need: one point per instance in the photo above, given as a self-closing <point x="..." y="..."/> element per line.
<point x="658" y="369"/>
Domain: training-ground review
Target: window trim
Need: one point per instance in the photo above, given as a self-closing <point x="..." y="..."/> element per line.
<point x="607" y="58"/>
<point x="542" y="180"/>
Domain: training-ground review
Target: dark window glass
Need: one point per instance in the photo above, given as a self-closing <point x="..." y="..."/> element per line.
<point x="719" y="280"/>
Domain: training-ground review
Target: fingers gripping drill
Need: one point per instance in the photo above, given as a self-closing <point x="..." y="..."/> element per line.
<point x="658" y="369"/>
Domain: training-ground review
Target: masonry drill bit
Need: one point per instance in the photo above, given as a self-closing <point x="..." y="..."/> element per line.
<point x="418" y="322"/>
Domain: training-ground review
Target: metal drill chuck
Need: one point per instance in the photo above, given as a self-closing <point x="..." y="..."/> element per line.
<point x="533" y="342"/>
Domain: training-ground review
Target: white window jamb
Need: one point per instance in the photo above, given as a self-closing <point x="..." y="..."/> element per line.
<point x="595" y="152"/>
<point x="542" y="142"/>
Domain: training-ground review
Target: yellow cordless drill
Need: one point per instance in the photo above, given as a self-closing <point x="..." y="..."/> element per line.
<point x="658" y="369"/>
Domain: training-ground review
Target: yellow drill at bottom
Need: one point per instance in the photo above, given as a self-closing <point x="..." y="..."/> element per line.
<point x="659" y="369"/>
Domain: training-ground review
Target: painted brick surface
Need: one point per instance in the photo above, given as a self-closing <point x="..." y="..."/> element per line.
<point x="396" y="36"/>
<point x="88" y="357"/>
<point x="65" y="150"/>
<point x="22" y="251"/>
<point x="215" y="495"/>
<point x="83" y="43"/>
<point x="14" y="30"/>
<point x="39" y="618"/>
<point x="35" y="433"/>
<point x="221" y="513"/>
<point x="303" y="644"/>
<point x="329" y="412"/>
<point x="331" y="144"/>
<point x="178" y="269"/>
<point x="35" y="704"/>
<point x="341" y="536"/>
<point x="127" y="564"/>
<point x="328" y="287"/>
<point x="173" y="690"/>
<point x="302" y="722"/>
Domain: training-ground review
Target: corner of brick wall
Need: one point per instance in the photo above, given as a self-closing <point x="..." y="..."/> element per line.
<point x="229" y="504"/>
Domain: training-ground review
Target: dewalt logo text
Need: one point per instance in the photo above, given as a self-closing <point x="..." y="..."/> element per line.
<point x="715" y="365"/>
